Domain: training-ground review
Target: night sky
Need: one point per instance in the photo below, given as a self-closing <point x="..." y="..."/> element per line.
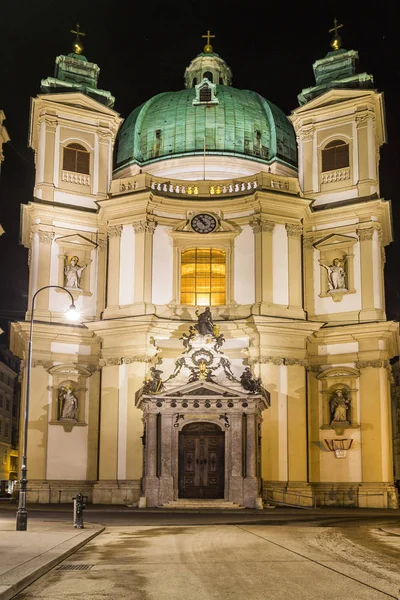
<point x="142" y="49"/>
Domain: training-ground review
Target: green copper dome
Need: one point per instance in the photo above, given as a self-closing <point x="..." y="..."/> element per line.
<point x="234" y="122"/>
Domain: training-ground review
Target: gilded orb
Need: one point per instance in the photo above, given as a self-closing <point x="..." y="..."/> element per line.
<point x="77" y="47"/>
<point x="336" y="43"/>
<point x="208" y="48"/>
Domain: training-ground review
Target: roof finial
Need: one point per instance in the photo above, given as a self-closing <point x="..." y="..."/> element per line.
<point x="336" y="40"/>
<point x="208" y="48"/>
<point x="77" y="45"/>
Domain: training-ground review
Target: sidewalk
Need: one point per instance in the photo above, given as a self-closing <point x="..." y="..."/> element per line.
<point x="27" y="555"/>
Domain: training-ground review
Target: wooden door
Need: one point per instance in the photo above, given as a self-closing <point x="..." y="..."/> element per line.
<point x="201" y="461"/>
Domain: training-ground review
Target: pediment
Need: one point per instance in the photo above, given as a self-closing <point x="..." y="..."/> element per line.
<point x="335" y="239"/>
<point x="333" y="96"/>
<point x="203" y="388"/>
<point x="77" y="99"/>
<point x="76" y="240"/>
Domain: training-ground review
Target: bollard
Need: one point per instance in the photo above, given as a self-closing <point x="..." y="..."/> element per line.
<point x="79" y="506"/>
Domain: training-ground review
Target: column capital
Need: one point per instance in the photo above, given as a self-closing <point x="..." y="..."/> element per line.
<point x="365" y="234"/>
<point x="114" y="231"/>
<point x="144" y="226"/>
<point x="259" y="224"/>
<point x="294" y="229"/>
<point x="46" y="237"/>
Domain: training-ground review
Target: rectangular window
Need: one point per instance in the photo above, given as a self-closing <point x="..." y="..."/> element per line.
<point x="203" y="277"/>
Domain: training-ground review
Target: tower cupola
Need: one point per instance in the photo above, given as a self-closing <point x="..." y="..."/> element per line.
<point x="207" y="65"/>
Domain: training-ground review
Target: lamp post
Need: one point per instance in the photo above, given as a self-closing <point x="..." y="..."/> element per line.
<point x="73" y="315"/>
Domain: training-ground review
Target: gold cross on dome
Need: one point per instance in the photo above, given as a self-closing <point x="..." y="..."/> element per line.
<point x="208" y="48"/>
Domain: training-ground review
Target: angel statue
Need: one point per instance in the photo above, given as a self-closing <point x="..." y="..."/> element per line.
<point x="339" y="405"/>
<point x="69" y="403"/>
<point x="336" y="274"/>
<point x="73" y="273"/>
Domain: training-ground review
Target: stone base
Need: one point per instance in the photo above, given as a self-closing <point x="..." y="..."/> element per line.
<point x="296" y="493"/>
<point x="57" y="492"/>
<point x="116" y="492"/>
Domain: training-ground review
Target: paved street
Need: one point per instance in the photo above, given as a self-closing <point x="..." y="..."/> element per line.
<point x="257" y="562"/>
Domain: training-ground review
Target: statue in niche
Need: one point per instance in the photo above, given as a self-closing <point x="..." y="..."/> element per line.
<point x="336" y="275"/>
<point x="68" y="403"/>
<point x="339" y="405"/>
<point x="73" y="273"/>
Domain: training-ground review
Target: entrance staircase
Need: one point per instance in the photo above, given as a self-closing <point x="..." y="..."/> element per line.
<point x="199" y="504"/>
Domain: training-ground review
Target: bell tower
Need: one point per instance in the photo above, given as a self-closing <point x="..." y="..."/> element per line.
<point x="340" y="127"/>
<point x="72" y="133"/>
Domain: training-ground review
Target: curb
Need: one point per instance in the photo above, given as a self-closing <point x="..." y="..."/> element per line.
<point x="37" y="570"/>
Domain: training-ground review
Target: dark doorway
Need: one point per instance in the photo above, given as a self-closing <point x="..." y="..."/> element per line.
<point x="201" y="461"/>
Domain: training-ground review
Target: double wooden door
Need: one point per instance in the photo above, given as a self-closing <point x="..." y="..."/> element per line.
<point x="201" y="461"/>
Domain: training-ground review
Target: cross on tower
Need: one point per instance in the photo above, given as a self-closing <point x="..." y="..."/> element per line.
<point x="77" y="45"/>
<point x="208" y="48"/>
<point x="336" y="42"/>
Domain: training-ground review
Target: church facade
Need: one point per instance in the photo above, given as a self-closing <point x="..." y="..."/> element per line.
<point x="228" y="264"/>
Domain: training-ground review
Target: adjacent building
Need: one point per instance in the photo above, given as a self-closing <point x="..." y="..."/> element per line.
<point x="228" y="262"/>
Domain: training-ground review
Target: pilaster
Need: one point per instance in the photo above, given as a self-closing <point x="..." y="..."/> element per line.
<point x="114" y="245"/>
<point x="368" y="311"/>
<point x="263" y="230"/>
<point x="144" y="231"/>
<point x="294" y="232"/>
<point x="108" y="451"/>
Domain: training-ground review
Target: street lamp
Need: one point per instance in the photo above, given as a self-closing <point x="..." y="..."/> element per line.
<point x="73" y="315"/>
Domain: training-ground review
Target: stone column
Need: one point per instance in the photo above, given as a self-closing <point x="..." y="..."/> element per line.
<point x="235" y="478"/>
<point x="250" y="483"/>
<point x="114" y="244"/>
<point x="294" y="232"/>
<point x="102" y="271"/>
<point x="144" y="231"/>
<point x="368" y="311"/>
<point x="263" y="230"/>
<point x="166" y="479"/>
<point x="151" y="481"/>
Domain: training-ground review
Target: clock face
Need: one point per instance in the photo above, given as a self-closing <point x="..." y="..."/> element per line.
<point x="203" y="223"/>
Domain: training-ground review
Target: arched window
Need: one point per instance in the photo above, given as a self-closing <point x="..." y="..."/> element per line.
<point x="335" y="155"/>
<point x="76" y="159"/>
<point x="203" y="277"/>
<point x="194" y="81"/>
<point x="205" y="93"/>
<point x="208" y="75"/>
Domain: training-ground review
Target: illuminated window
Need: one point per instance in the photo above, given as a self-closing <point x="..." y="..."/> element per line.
<point x="335" y="155"/>
<point x="76" y="159"/>
<point x="203" y="277"/>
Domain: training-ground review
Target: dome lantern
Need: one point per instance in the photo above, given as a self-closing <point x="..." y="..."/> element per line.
<point x="207" y="65"/>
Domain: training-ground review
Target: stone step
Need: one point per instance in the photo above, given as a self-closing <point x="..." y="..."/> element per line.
<point x="189" y="503"/>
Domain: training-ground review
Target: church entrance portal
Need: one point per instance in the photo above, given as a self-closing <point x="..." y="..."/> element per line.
<point x="201" y="461"/>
